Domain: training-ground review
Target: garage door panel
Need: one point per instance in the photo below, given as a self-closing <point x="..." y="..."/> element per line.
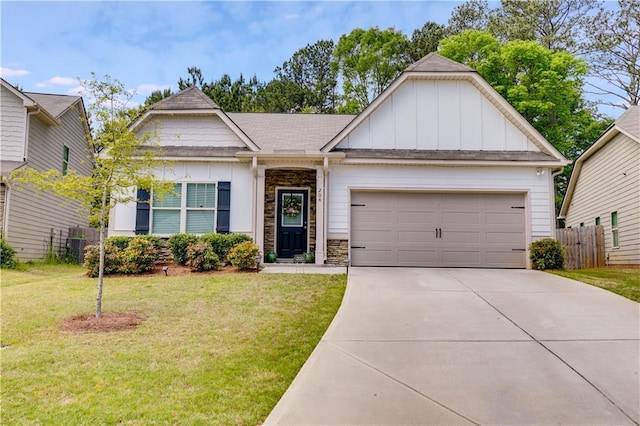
<point x="437" y="229"/>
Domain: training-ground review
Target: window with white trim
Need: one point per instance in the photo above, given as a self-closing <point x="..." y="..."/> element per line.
<point x="190" y="208"/>
<point x="614" y="230"/>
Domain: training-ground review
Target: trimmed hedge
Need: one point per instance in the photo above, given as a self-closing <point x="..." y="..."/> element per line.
<point x="547" y="253"/>
<point x="243" y="255"/>
<point x="223" y="243"/>
<point x="178" y="244"/>
<point x="201" y="257"/>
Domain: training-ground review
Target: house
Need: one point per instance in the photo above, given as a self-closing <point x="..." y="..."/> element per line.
<point x="604" y="189"/>
<point x="43" y="131"/>
<point x="439" y="170"/>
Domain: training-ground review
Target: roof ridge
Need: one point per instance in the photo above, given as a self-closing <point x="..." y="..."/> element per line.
<point x="174" y="101"/>
<point x="434" y="62"/>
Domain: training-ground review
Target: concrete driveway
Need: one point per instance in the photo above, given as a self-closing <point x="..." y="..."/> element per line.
<point x="471" y="346"/>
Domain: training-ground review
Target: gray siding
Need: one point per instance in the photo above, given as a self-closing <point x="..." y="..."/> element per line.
<point x="32" y="216"/>
<point x="609" y="182"/>
<point x="12" y="121"/>
<point x="3" y="191"/>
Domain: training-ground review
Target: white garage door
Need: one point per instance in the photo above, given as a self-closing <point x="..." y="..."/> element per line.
<point x="475" y="230"/>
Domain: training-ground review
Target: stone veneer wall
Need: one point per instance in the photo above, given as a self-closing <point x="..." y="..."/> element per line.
<point x="293" y="179"/>
<point x="337" y="252"/>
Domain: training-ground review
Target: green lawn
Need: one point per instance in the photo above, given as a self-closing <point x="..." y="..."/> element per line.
<point x="215" y="349"/>
<point x="622" y="281"/>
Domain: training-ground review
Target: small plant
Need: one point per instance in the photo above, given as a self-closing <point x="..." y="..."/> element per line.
<point x="138" y="257"/>
<point x="243" y="255"/>
<point x="119" y="241"/>
<point x="8" y="257"/>
<point x="112" y="259"/>
<point x="547" y="253"/>
<point x="201" y="257"/>
<point x="178" y="244"/>
<point x="309" y="257"/>
<point x="157" y="242"/>
<point x="271" y="257"/>
<point x="222" y="243"/>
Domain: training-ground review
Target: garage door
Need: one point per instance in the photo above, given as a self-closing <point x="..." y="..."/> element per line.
<point x="438" y="229"/>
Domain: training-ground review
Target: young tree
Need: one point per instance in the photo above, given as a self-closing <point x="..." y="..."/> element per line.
<point x="368" y="61"/>
<point x="122" y="160"/>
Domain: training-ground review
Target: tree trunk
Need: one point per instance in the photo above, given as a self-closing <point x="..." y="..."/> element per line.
<point x="101" y="266"/>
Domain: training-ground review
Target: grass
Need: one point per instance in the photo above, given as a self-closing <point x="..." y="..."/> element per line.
<point x="215" y="349"/>
<point x="619" y="280"/>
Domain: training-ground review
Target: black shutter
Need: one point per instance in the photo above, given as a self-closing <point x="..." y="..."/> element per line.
<point x="224" y="207"/>
<point x="142" y="212"/>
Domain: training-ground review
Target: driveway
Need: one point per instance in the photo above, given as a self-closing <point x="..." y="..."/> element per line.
<point x="470" y="346"/>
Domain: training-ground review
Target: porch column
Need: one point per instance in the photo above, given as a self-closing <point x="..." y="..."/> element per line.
<point x="320" y="201"/>
<point x="260" y="208"/>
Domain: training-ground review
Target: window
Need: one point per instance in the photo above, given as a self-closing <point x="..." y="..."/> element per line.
<point x="614" y="229"/>
<point x="65" y="159"/>
<point x="597" y="220"/>
<point x="191" y="208"/>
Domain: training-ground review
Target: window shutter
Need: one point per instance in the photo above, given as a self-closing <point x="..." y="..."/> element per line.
<point x="142" y="212"/>
<point x="224" y="207"/>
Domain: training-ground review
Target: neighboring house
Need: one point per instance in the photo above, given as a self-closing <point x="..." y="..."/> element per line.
<point x="605" y="189"/>
<point x="438" y="171"/>
<point x="44" y="132"/>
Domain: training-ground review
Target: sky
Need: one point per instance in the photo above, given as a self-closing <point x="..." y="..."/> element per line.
<point x="47" y="46"/>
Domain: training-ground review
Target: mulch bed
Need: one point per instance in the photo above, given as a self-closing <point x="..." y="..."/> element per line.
<point x="110" y="321"/>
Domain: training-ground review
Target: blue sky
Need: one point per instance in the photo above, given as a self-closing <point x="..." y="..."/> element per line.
<point x="46" y="46"/>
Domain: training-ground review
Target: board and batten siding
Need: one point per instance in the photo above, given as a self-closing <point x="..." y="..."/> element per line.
<point x="12" y="126"/>
<point x="123" y="218"/>
<point x="537" y="189"/>
<point x="610" y="181"/>
<point x="206" y="131"/>
<point x="32" y="214"/>
<point x="438" y="114"/>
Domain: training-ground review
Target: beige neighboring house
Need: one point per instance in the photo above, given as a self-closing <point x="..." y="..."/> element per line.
<point x="45" y="132"/>
<point x="439" y="170"/>
<point x="604" y="189"/>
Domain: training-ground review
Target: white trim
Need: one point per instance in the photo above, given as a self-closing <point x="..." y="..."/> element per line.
<point x="451" y="163"/>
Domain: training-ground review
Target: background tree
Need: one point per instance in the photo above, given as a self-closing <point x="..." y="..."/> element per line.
<point x="310" y="69"/>
<point x="122" y="160"/>
<point x="368" y="61"/>
<point x="425" y="40"/>
<point x="613" y="46"/>
<point x="157" y="96"/>
<point x="472" y="15"/>
<point x="555" y="24"/>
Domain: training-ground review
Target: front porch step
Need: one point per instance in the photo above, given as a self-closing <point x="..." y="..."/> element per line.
<point x="284" y="260"/>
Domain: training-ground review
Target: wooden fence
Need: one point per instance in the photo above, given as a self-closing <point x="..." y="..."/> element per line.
<point x="584" y="246"/>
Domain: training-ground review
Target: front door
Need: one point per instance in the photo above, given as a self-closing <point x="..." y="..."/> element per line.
<point x="292" y="220"/>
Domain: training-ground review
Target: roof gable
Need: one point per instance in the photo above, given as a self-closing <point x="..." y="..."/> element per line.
<point x="629" y="122"/>
<point x="56" y="105"/>
<point x="434" y="68"/>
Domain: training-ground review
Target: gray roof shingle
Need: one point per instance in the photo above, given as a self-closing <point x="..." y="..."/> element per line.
<point x="54" y="104"/>
<point x="436" y="63"/>
<point x="290" y="132"/>
<point x="189" y="98"/>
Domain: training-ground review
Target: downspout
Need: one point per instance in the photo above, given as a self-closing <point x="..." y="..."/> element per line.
<point x="325" y="205"/>
<point x="553" y="204"/>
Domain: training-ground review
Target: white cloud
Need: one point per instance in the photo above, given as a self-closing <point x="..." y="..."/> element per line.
<point x="8" y="72"/>
<point x="58" y="81"/>
<point x="147" y="89"/>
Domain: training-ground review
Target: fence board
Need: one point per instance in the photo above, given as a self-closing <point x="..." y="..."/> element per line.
<point x="584" y="246"/>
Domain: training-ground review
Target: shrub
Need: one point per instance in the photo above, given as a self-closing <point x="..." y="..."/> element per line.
<point x="112" y="259"/>
<point x="547" y="254"/>
<point x="243" y="255"/>
<point x="157" y="242"/>
<point x="222" y="243"/>
<point x="201" y="257"/>
<point x="178" y="244"/>
<point x="121" y="242"/>
<point x="8" y="257"/>
<point x="138" y="257"/>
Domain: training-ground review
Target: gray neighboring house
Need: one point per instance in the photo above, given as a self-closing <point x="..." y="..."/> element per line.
<point x="42" y="131"/>
<point x="604" y="189"/>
